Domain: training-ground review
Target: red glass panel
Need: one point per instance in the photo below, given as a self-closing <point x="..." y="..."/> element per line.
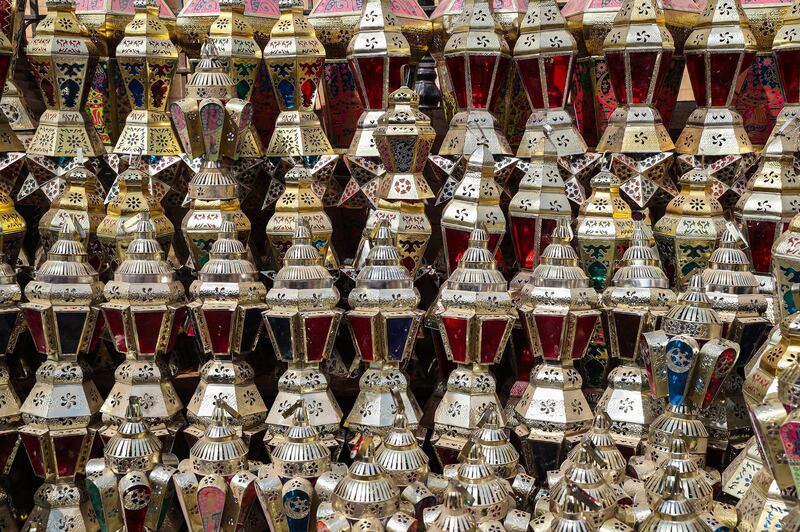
<point x="35" y="453"/>
<point x="666" y="60"/>
<point x="67" y="451"/>
<point x="246" y="501"/>
<point x="723" y="76"/>
<point x="494" y="242"/>
<point x="616" y="71"/>
<point x="178" y="322"/>
<point x="523" y="231"/>
<point x="211" y="505"/>
<point x="134" y="519"/>
<point x="148" y="329"/>
<point x="643" y="66"/>
<point x="116" y="326"/>
<point x="457" y="73"/>
<point x="220" y="325"/>
<point x="788" y="63"/>
<point x="481" y="69"/>
<point x="503" y="68"/>
<point x="396" y="68"/>
<point x="455" y="330"/>
<point x="491" y="334"/>
<point x="317" y="331"/>
<point x="627" y="328"/>
<point x="99" y="325"/>
<point x="761" y="235"/>
<point x="371" y="72"/>
<point x="556" y="69"/>
<point x="584" y="327"/>
<point x="529" y="74"/>
<point x="362" y="333"/>
<point x="525" y="358"/>
<point x="722" y="367"/>
<point x="36" y="326"/>
<point x="696" y="68"/>
<point x="457" y="241"/>
<point x="548" y="329"/>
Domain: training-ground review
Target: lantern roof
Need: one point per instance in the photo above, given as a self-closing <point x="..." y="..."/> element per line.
<point x="544" y="31"/>
<point x="476" y="31"/>
<point x="67" y="263"/>
<point x="722" y="26"/>
<point x="210" y="79"/>
<point x="220" y="451"/>
<point x="695" y="310"/>
<point x="639" y="25"/>
<point x="302" y="448"/>
<point x="454" y="515"/>
<point x="559" y="266"/>
<point x="133" y="447"/>
<point x="378" y="33"/>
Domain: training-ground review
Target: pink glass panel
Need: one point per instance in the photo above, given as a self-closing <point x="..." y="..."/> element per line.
<point x="371" y="71"/>
<point x="36" y="326"/>
<point x="788" y="63"/>
<point x="529" y="74"/>
<point x="317" y="331"/>
<point x="67" y="450"/>
<point x="723" y="76"/>
<point x="116" y="326"/>
<point x="362" y="331"/>
<point x="549" y="328"/>
<point x="696" y="68"/>
<point x="457" y="241"/>
<point x="616" y="71"/>
<point x="148" y="329"/>
<point x="220" y="324"/>
<point x="523" y="231"/>
<point x="584" y="328"/>
<point x="481" y="68"/>
<point x="761" y="235"/>
<point x="211" y="505"/>
<point x="456" y="331"/>
<point x="457" y="73"/>
<point x="35" y="453"/>
<point x="556" y="69"/>
<point x="491" y="334"/>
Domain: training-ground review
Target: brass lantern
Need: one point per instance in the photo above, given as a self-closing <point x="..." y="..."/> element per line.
<point x="403" y="459"/>
<point x="210" y="123"/>
<point x="785" y="47"/>
<point x="475" y="204"/>
<point x="604" y="229"/>
<point x="612" y="463"/>
<point x="61" y="411"/>
<point x="404" y="137"/>
<point x="475" y="316"/>
<point x="302" y="320"/>
<point x="738" y="475"/>
<point x="143" y="328"/>
<point x="196" y="17"/>
<point x="559" y="309"/>
<point x="384" y="322"/>
<point x="227" y="301"/>
<point x="634" y="304"/>
<point x="63" y="77"/>
<point x="690" y="229"/>
<point x="718" y="51"/>
<point x="638" y="51"/>
<point x="578" y="511"/>
<point x="453" y="514"/>
<point x="133" y="199"/>
<point x="378" y="55"/>
<point x="764" y="504"/>
<point x="131" y="486"/>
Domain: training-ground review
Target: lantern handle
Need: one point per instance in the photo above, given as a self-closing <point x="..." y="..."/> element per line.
<point x="593" y="452"/>
<point x="400" y="408"/>
<point x="223" y="404"/>
<point x="582" y="496"/>
<point x="292" y="409"/>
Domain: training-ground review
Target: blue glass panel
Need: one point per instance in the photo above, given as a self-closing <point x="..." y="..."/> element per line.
<point x="282" y="332"/>
<point x="297" y="507"/>
<point x="397" y="330"/>
<point x="680" y="356"/>
<point x="286" y="89"/>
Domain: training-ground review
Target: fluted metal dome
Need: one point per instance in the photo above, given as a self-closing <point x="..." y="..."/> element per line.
<point x="303" y="271"/>
<point x="366" y="490"/>
<point x="693" y="312"/>
<point x="453" y="516"/>
<point x="133" y="447"/>
<point x="210" y="78"/>
<point x="488" y="491"/>
<point x="693" y="482"/>
<point x="614" y="462"/>
<point x="400" y="454"/>
<point x="673" y="511"/>
<point x="640" y="268"/>
<point x="498" y="452"/>
<point x="476" y="266"/>
<point x="220" y="451"/>
<point x="586" y="475"/>
<point x="301" y="453"/>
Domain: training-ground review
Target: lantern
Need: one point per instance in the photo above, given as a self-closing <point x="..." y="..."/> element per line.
<point x="785" y="48"/>
<point x="558" y="308"/>
<point x="61" y="411"/>
<point x="143" y="330"/>
<point x="789" y="395"/>
<point x="498" y="453"/>
<point x="227" y="301"/>
<point x="302" y="320"/>
<point x="475" y="316"/>
<point x="577" y="512"/>
<point x="453" y="513"/>
<point x="674" y="509"/>
<point x="634" y="304"/>
<point x="738" y="475"/>
<point x="612" y="463"/>
<point x="196" y="18"/>
<point x="402" y="457"/>
<point x="764" y="503"/>
<point x="690" y="229"/>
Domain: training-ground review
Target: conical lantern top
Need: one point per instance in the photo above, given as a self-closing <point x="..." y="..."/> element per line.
<point x="729" y="272"/>
<point x="133" y="447"/>
<point x="228" y="262"/>
<point x="559" y="265"/>
<point x="210" y="79"/>
<point x="220" y="451"/>
<point x="693" y="310"/>
<point x="693" y="480"/>
<point x="144" y="260"/>
<point x="454" y="515"/>
<point x="491" y="438"/>
<point x="485" y="488"/>
<point x="302" y="266"/>
<point x="673" y="509"/>
<point x="302" y="452"/>
<point x="366" y="490"/>
<point x="477" y="262"/>
<point x="613" y="462"/>
<point x="400" y="454"/>
<point x="639" y="266"/>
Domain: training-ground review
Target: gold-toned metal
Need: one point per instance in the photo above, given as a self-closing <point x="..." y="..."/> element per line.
<point x="498" y="452"/>
<point x="559" y="307"/>
<point x="634" y="304"/>
<point x="211" y="123"/>
<point x="453" y="514"/>
<point x="9" y="142"/>
<point x="400" y="454"/>
<point x="12" y="228"/>
<point x="789" y="394"/>
<point x="227" y="301"/>
<point x="302" y="320"/>
<point x="404" y="137"/>
<point x="738" y="475"/>
<point x="62" y="410"/>
<point x="612" y="463"/>
<point x="786" y="268"/>
<point x="63" y="60"/>
<point x="130" y="487"/>
<point x="144" y="311"/>
<point x="576" y="513"/>
<point x="763" y="505"/>
<point x="384" y="322"/>
<point x="673" y="509"/>
<point x="766" y="18"/>
<point x="691" y="228"/>
<point x="197" y="17"/>
<point x="475" y="315"/>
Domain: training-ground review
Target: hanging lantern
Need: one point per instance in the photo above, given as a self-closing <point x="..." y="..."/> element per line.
<point x="690" y="229"/>
<point x="558" y="308"/>
<point x="227" y="301"/>
<point x="474" y="315"/>
<point x="785" y="266"/>
<point x="61" y="411"/>
<point x="402" y="458"/>
<point x="143" y="330"/>
<point x="130" y="487"/>
<point x="384" y="322"/>
<point x="302" y="320"/>
<point x="634" y="304"/>
<point x="197" y="17"/>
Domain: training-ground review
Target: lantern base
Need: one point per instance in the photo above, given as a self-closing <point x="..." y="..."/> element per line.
<point x="763" y="505"/>
<point x="470" y="391"/>
<point x="629" y="405"/>
<point x="310" y="385"/>
<point x="298" y="134"/>
<point x="682" y="418"/>
<point x="473" y="128"/>
<point x="147" y="133"/>
<point x="714" y="131"/>
<point x="451" y="170"/>
<point x="564" y="134"/>
<point x="374" y="409"/>
<point x="61" y="133"/>
<point x="635" y="129"/>
<point x="202" y="224"/>
<point x="62" y="506"/>
<point x="738" y="476"/>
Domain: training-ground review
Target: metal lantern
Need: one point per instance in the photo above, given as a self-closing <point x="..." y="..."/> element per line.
<point x="61" y="411"/>
<point x="690" y="229"/>
<point x="638" y="50"/>
<point x="786" y="268"/>
<point x="210" y="123"/>
<point x="785" y="49"/>
<point x="559" y="310"/>
<point x="475" y="316"/>
<point x="378" y="55"/>
<point x="604" y="229"/>
<point x="302" y="320"/>
<point x="764" y="504"/>
<point x="132" y="201"/>
<point x="475" y="204"/>
<point x="196" y="18"/>
<point x="401" y="456"/>
<point x="634" y="304"/>
<point x="227" y="301"/>
<point x="384" y="322"/>
<point x="718" y="52"/>
<point x="612" y="463"/>
<point x="404" y="137"/>
<point x="144" y="311"/>
<point x="216" y="485"/>
<point x="63" y="60"/>
<point x="497" y="451"/>
<point x="131" y="486"/>
<point x="577" y="512"/>
<point x="738" y="475"/>
<point x="453" y="514"/>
